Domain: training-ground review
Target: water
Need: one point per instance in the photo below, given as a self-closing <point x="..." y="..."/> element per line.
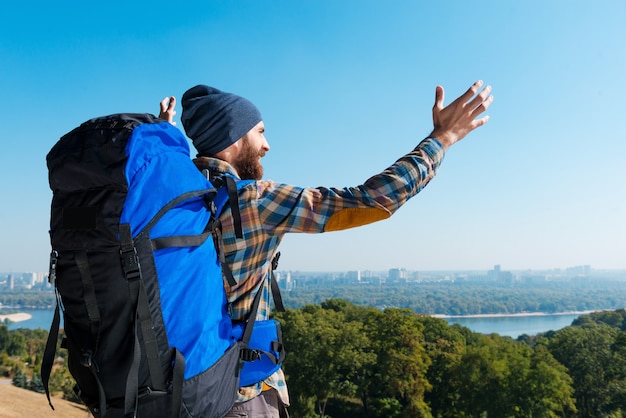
<point x="41" y="318"/>
<point x="511" y="326"/>
<point x="514" y="326"/>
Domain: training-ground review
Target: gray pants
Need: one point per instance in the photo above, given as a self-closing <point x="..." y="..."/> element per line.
<point x="266" y="405"/>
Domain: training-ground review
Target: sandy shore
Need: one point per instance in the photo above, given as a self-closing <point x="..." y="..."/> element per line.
<point x="16" y="317"/>
<point x="513" y="315"/>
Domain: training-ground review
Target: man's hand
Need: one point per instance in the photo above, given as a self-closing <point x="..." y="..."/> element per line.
<point x="453" y="122"/>
<point x="167" y="109"/>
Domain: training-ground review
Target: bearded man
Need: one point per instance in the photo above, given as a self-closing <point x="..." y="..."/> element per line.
<point x="229" y="134"/>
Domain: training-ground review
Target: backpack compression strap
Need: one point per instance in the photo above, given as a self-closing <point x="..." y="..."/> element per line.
<point x="142" y="318"/>
<point x="53" y="335"/>
<point x="89" y="292"/>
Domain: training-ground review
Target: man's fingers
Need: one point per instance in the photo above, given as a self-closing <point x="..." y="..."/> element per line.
<point x="168" y="111"/>
<point x="480" y="122"/>
<point x="482" y="97"/>
<point x="471" y="92"/>
<point x="476" y="101"/>
<point x="439" y="97"/>
<point x="168" y="103"/>
<point x="172" y="102"/>
<point x="164" y="104"/>
<point x="481" y="106"/>
<point x="474" y="88"/>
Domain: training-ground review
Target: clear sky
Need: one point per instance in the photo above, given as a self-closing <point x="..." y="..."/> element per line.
<point x="346" y="88"/>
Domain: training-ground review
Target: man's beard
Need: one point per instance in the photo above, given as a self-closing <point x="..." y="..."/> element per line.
<point x="248" y="165"/>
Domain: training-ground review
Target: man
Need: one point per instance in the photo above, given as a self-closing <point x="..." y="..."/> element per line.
<point x="229" y="134"/>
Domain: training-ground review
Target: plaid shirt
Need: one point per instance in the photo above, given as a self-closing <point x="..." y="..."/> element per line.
<point x="269" y="210"/>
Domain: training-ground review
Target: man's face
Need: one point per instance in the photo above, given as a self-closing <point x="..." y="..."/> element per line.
<point x="253" y="148"/>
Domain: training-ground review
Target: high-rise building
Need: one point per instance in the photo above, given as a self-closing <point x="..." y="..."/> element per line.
<point x="398" y="275"/>
<point x="353" y="276"/>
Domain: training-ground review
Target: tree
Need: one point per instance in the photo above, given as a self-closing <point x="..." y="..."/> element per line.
<point x="36" y="384"/>
<point x="4" y="337"/>
<point x="325" y="351"/>
<point x="500" y="377"/>
<point x="20" y="380"/>
<point x="480" y="377"/>
<point x="617" y="372"/>
<point x="398" y="378"/>
<point x="587" y="354"/>
<point x="14" y="342"/>
<point x="445" y="345"/>
<point x="548" y="388"/>
<point x="614" y="319"/>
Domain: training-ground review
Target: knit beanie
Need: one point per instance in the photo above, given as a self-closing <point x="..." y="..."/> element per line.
<point x="214" y="119"/>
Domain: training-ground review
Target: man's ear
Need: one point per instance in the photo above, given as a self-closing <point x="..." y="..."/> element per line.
<point x="230" y="153"/>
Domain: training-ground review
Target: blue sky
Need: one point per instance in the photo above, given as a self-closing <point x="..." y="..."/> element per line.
<point x="345" y="88"/>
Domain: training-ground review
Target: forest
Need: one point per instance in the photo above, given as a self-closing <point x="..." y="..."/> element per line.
<point x="347" y="360"/>
<point x="471" y="298"/>
<point x="433" y="298"/>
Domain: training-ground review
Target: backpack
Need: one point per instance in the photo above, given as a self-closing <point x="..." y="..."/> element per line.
<point x="137" y="273"/>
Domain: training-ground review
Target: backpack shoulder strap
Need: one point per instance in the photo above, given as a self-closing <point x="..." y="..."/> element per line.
<point x="246" y="354"/>
<point x="227" y="192"/>
<point x="278" y="299"/>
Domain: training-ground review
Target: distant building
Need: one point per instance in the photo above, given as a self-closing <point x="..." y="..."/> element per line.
<point x="498" y="276"/>
<point x="286" y="283"/>
<point x="368" y="273"/>
<point x="578" y="271"/>
<point x="290" y="284"/>
<point x="416" y="276"/>
<point x="353" y="276"/>
<point x="42" y="277"/>
<point x="398" y="275"/>
<point x="532" y="278"/>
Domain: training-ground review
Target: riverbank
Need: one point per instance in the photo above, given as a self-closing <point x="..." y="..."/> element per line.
<point x="19" y="317"/>
<point x="15" y="317"/>
<point x="514" y="315"/>
<point x="511" y="325"/>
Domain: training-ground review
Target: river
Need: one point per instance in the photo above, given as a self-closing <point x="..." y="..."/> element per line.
<point x="511" y="326"/>
<point x="40" y="318"/>
<point x="515" y="325"/>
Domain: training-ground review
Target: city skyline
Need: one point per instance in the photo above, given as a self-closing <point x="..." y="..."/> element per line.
<point x="38" y="276"/>
<point x="345" y="89"/>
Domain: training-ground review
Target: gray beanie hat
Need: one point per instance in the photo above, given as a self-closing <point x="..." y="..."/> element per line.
<point x="214" y="119"/>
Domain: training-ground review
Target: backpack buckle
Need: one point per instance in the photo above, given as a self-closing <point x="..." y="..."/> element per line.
<point x="248" y="354"/>
<point x="87" y="359"/>
<point x="52" y="274"/>
<point x="130" y="263"/>
<point x="275" y="261"/>
<point x="128" y="254"/>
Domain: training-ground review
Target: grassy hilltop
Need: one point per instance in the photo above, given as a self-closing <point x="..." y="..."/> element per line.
<point x="17" y="403"/>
